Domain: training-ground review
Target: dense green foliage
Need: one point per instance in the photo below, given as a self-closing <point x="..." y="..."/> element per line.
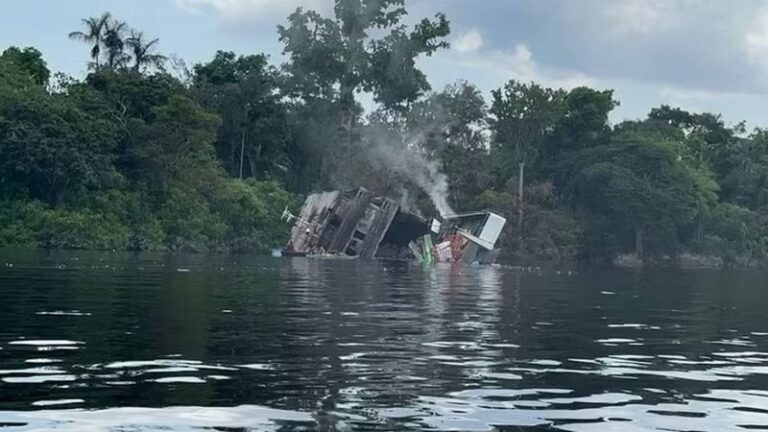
<point x="135" y="157"/>
<point x="122" y="160"/>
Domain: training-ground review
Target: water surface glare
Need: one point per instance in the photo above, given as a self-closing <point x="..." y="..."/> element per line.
<point x="119" y="342"/>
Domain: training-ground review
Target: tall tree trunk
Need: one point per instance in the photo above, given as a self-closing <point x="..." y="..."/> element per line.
<point x="253" y="162"/>
<point x="242" y="153"/>
<point x="639" y="247"/>
<point x="246" y="110"/>
<point x="59" y="187"/>
<point x="521" y="200"/>
<point x="699" y="228"/>
<point x="232" y="164"/>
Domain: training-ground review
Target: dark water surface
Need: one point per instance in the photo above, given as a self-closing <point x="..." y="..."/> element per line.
<point x="93" y="342"/>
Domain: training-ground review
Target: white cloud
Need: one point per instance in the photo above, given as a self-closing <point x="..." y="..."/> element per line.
<point x="252" y="10"/>
<point x="520" y="65"/>
<point x="468" y="42"/>
<point x="681" y="95"/>
<point x="717" y="45"/>
<point x="756" y="41"/>
<point x="640" y="16"/>
<point x="691" y="100"/>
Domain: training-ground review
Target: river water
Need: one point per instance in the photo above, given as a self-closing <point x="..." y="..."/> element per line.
<point x="120" y="342"/>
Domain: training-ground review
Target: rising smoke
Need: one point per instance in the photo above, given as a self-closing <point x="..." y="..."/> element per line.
<point x="428" y="176"/>
<point x="403" y="157"/>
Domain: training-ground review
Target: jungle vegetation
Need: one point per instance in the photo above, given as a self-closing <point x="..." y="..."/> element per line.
<point x="145" y="154"/>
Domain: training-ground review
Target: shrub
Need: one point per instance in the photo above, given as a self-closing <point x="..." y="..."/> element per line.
<point x="34" y="224"/>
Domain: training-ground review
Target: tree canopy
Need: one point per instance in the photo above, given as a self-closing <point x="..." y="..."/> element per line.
<point x="133" y="156"/>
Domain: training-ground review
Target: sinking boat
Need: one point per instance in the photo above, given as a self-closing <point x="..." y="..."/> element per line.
<point x="361" y="224"/>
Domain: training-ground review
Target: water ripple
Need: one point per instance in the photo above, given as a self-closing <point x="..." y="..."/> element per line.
<point x="245" y="343"/>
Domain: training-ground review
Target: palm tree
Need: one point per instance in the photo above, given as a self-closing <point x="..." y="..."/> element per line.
<point x="114" y="32"/>
<point x="93" y="34"/>
<point x="142" y="51"/>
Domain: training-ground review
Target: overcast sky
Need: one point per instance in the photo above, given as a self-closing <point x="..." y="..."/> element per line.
<point x="707" y="55"/>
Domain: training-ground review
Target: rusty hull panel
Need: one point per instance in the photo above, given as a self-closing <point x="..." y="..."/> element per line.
<point x="351" y="223"/>
<point x="313" y="216"/>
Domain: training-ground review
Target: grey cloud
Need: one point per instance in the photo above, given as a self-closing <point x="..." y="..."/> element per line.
<point x="684" y="43"/>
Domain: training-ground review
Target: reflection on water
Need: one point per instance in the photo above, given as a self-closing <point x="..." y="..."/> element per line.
<point x="92" y="342"/>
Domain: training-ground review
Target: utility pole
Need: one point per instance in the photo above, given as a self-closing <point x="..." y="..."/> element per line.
<point x="242" y="142"/>
<point x="520" y="198"/>
<point x="242" y="150"/>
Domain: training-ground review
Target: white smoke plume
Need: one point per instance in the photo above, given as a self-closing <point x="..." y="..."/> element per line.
<point x="428" y="176"/>
<point x="407" y="201"/>
<point x="405" y="159"/>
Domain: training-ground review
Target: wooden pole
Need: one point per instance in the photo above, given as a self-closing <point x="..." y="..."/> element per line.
<point x="520" y="214"/>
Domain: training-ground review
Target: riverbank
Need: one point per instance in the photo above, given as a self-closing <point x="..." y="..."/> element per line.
<point x="227" y="216"/>
<point x="685" y="261"/>
<point x="692" y="261"/>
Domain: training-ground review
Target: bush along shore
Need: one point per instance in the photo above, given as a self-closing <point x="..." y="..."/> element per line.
<point x="145" y="153"/>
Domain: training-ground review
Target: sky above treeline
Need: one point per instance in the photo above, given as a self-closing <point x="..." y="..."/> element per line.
<point x="701" y="55"/>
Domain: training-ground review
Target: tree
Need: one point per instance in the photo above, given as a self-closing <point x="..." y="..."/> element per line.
<point x="640" y="184"/>
<point x="707" y="139"/>
<point x="176" y="144"/>
<point x="93" y="34"/>
<point x="745" y="171"/>
<point x="737" y="235"/>
<point x="316" y="159"/>
<point x="394" y="79"/>
<point x="132" y="156"/>
<point x="134" y="95"/>
<point x="110" y="39"/>
<point x="523" y="117"/>
<point x="114" y="42"/>
<point x="336" y="58"/>
<point x="583" y="124"/>
<point x="254" y="135"/>
<point x="29" y="60"/>
<point x="50" y="146"/>
<point x="142" y="51"/>
<point x="451" y="127"/>
<point x="551" y="234"/>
